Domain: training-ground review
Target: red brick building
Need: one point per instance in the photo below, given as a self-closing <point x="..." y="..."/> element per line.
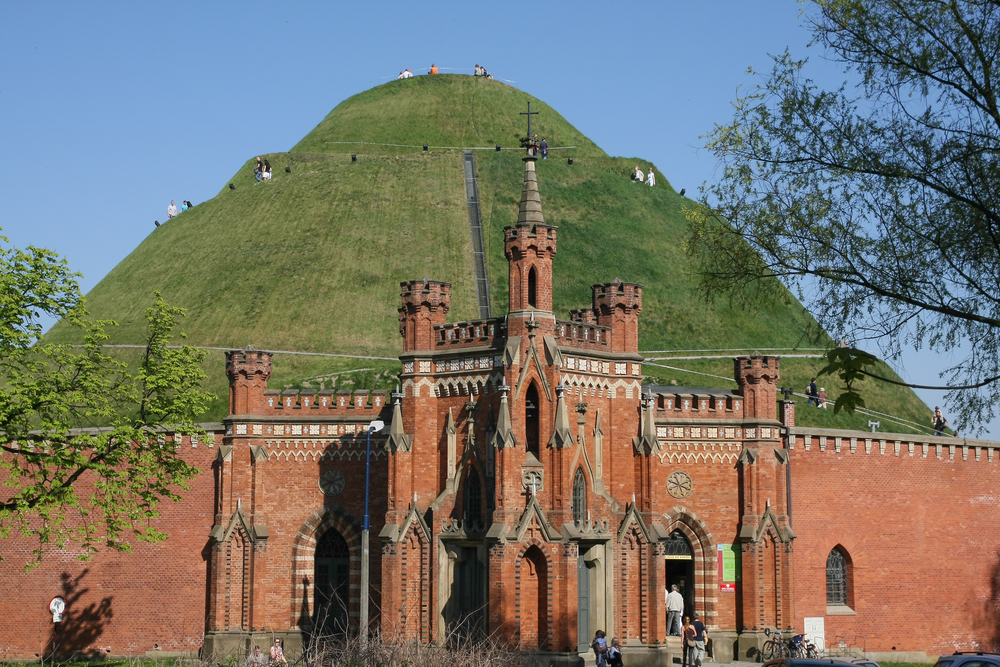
<point x="526" y="485"/>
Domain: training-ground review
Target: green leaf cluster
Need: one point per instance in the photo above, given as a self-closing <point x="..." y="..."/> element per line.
<point x="83" y="455"/>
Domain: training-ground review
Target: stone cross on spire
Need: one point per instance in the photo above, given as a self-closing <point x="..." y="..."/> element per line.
<point x="529" y="113"/>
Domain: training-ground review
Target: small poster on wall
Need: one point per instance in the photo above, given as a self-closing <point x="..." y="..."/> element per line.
<point x="730" y="567"/>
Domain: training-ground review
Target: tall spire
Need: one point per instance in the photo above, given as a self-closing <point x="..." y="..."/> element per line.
<point x="530" y="212"/>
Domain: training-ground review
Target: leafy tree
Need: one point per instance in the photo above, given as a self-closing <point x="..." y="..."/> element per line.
<point x="878" y="201"/>
<point x="83" y="458"/>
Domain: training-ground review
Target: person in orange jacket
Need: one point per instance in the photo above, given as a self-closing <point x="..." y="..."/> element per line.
<point x="434" y="68"/>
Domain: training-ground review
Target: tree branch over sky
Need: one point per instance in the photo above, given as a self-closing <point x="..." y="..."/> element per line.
<point x="877" y="202"/>
<point x="97" y="486"/>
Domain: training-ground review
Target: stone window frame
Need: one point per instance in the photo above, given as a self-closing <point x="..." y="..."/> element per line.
<point x="839" y="582"/>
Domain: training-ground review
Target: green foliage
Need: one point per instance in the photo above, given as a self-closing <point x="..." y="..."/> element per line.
<point x="850" y="366"/>
<point x="93" y="486"/>
<point x="877" y="203"/>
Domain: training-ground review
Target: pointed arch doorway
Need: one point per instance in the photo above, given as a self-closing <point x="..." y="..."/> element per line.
<point x="333" y="583"/>
<point x="678" y="559"/>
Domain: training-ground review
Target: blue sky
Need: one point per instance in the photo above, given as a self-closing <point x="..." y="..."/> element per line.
<point x="110" y="110"/>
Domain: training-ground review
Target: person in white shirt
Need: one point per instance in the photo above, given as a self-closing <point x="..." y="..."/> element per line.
<point x="675" y="607"/>
<point x="171" y="210"/>
<point x="637" y="176"/>
<point x="407" y="74"/>
<point x="651" y="179"/>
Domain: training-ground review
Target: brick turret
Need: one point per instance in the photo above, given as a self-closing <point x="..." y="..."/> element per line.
<point x="617" y="305"/>
<point x="425" y="304"/>
<point x="530" y="246"/>
<point x="757" y="377"/>
<point x="248" y="371"/>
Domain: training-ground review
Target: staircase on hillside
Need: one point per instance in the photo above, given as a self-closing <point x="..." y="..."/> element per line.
<point x="476" y="225"/>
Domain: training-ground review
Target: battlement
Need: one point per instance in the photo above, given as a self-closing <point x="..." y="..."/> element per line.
<point x="617" y="305"/>
<point x="584" y="315"/>
<point x="524" y="240"/>
<point x="476" y="333"/>
<point x="425" y="303"/>
<point x="694" y="403"/>
<point x="617" y="294"/>
<point x="248" y="371"/>
<point x="580" y="334"/>
<point x="309" y="402"/>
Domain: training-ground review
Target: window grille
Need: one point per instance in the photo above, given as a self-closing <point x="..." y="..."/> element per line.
<point x="473" y="497"/>
<point x="836" y="578"/>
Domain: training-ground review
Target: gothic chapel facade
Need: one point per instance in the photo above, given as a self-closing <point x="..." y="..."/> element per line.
<point x="528" y="487"/>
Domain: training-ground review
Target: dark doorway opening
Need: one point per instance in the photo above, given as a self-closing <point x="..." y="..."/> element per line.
<point x="333" y="583"/>
<point x="531" y="419"/>
<point x="467" y="606"/>
<point x="679" y="568"/>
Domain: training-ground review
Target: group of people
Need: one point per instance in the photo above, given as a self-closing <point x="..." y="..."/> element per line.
<point x="480" y="71"/>
<point x="539" y="146"/>
<point x="607" y="656"/>
<point x="262" y="171"/>
<point x="814" y="395"/>
<point x="172" y="211"/>
<point x="639" y="177"/>
<point x="258" y="659"/>
<point x="694" y="634"/>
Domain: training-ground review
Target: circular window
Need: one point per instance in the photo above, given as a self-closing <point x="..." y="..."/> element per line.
<point x="332" y="482"/>
<point x="679" y="485"/>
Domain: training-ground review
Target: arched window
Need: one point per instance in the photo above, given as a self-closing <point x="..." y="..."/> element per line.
<point x="532" y="288"/>
<point x="579" y="496"/>
<point x="837" y="590"/>
<point x="473" y="497"/>
<point x="531" y="419"/>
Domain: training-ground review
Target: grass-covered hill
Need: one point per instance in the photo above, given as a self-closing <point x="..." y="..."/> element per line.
<point x="312" y="260"/>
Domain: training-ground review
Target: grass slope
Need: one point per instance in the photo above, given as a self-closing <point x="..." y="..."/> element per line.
<point x="312" y="260"/>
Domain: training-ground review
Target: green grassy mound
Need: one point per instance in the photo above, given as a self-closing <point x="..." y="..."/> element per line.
<point x="312" y="260"/>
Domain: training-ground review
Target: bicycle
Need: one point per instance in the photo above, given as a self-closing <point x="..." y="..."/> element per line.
<point x="774" y="647"/>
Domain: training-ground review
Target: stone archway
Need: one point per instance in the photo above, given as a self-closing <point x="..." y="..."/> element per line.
<point x="704" y="570"/>
<point x="303" y="580"/>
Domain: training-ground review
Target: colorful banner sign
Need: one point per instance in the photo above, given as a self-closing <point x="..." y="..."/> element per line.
<point x="730" y="567"/>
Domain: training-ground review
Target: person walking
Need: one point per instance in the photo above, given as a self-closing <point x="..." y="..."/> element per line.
<point x="258" y="170"/>
<point x="600" y="646"/>
<point x="637" y="175"/>
<point x="267" y="170"/>
<point x="615" y="653"/>
<point x="700" y="637"/>
<point x="822" y="397"/>
<point x="812" y="393"/>
<point x="544" y="147"/>
<point x="675" y="608"/>
<point x="651" y="179"/>
<point x="172" y="210"/>
<point x="687" y="634"/>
